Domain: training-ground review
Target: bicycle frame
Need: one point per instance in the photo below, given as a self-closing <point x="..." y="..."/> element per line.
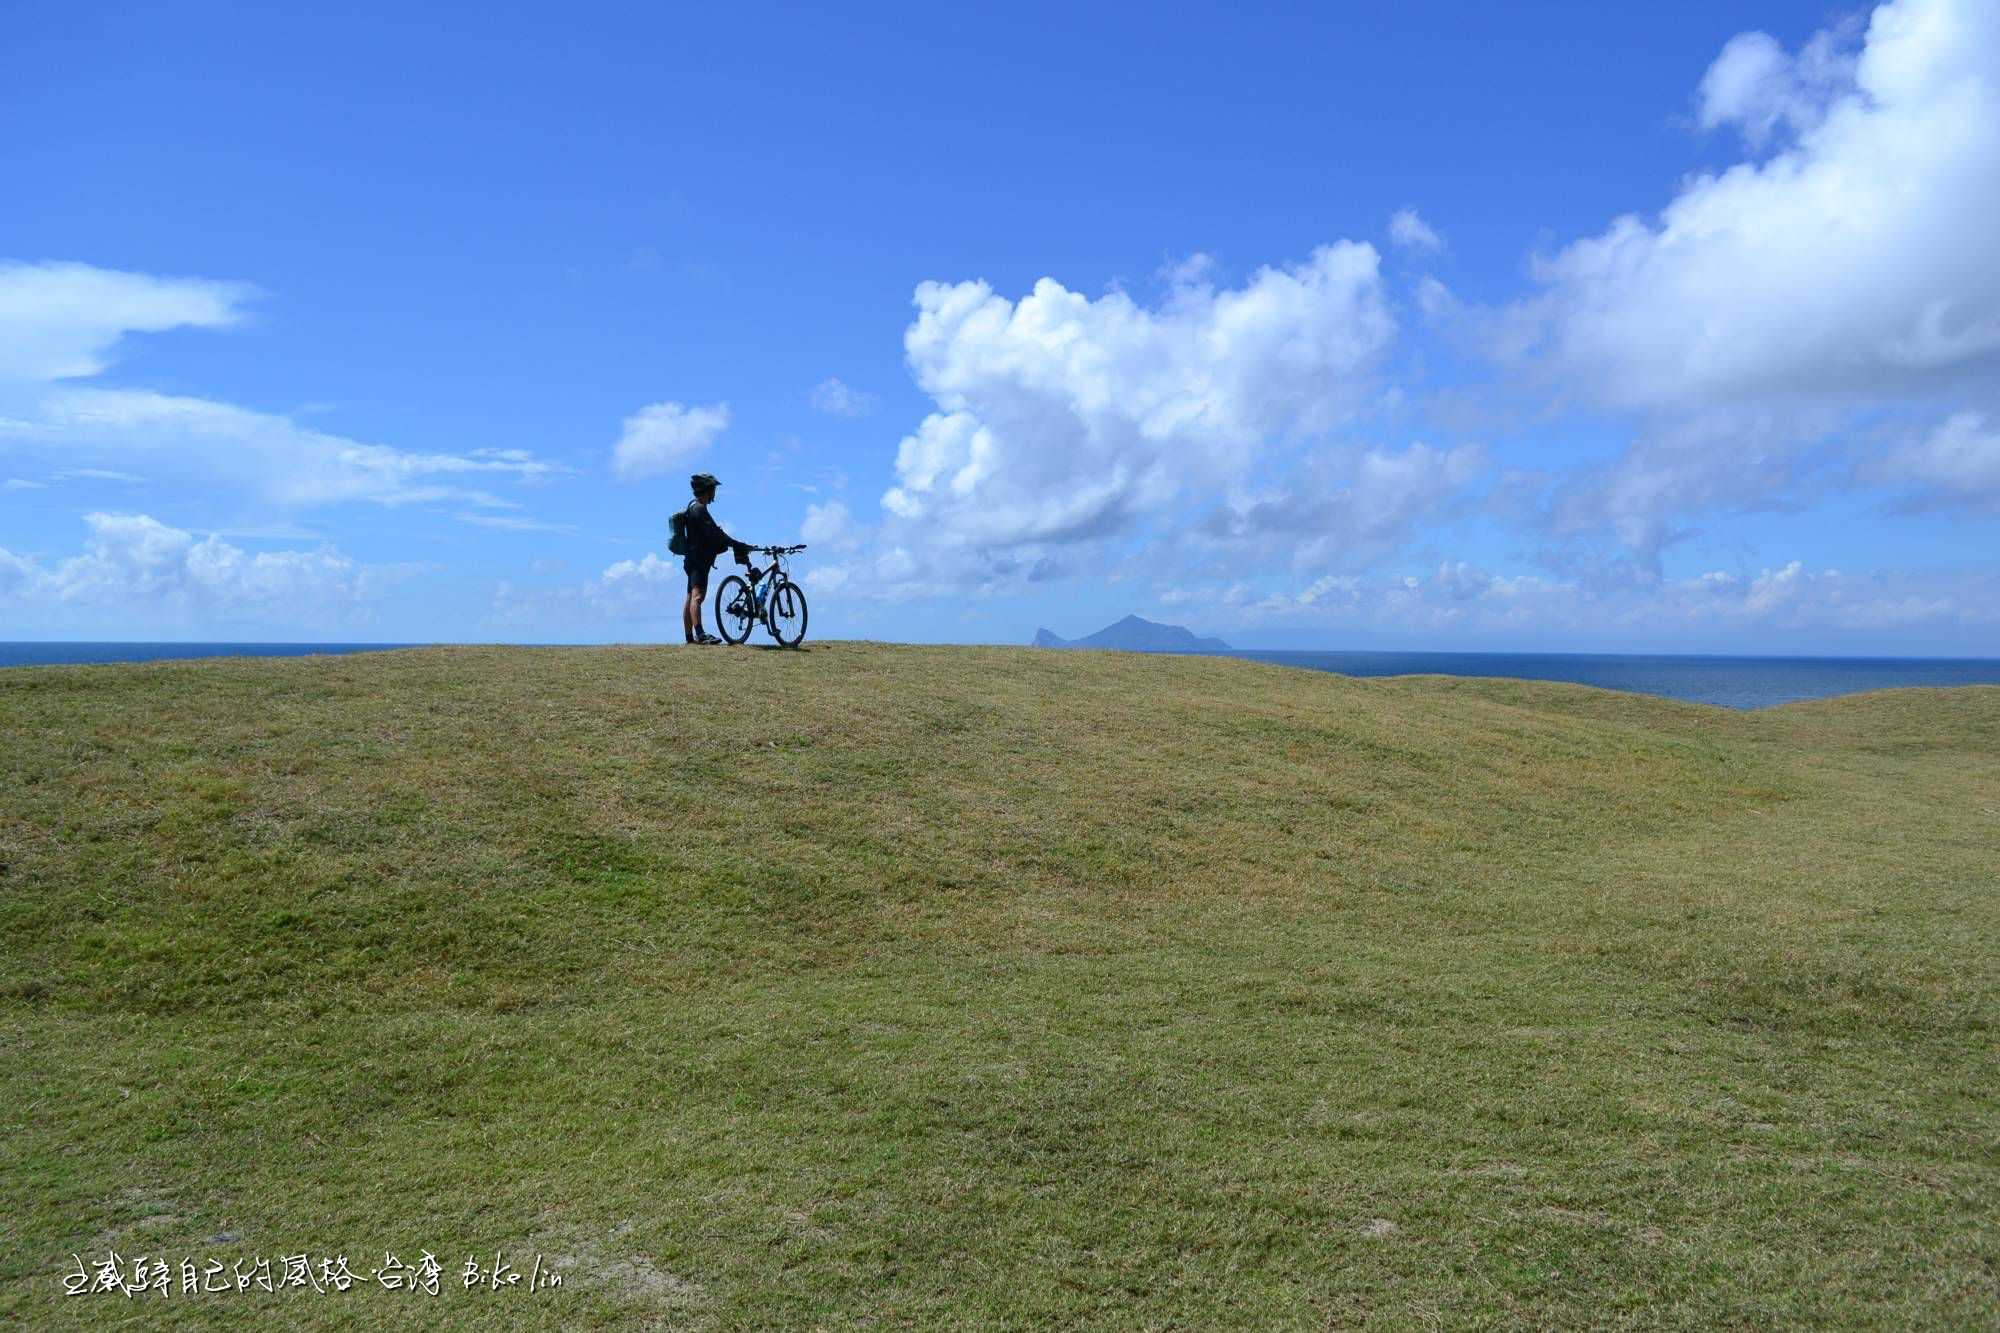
<point x="776" y="567"/>
<point x="757" y="588"/>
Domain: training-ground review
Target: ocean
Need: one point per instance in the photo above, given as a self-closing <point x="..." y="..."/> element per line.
<point x="69" y="654"/>
<point x="1731" y="682"/>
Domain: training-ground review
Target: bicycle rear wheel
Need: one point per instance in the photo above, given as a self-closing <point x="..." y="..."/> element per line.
<point x="786" y="614"/>
<point x="735" y="610"/>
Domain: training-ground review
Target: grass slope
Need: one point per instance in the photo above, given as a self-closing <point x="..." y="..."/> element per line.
<point x="898" y="985"/>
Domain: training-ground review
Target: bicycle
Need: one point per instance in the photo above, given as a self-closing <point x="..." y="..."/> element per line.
<point x="769" y="596"/>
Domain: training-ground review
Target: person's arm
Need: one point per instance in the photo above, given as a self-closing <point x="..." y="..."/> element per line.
<point x="715" y="539"/>
<point x="706" y="528"/>
<point x="724" y="542"/>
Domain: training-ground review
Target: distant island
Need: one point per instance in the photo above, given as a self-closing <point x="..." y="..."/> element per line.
<point x="1134" y="635"/>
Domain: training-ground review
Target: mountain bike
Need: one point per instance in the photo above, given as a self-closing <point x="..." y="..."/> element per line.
<point x="769" y="596"/>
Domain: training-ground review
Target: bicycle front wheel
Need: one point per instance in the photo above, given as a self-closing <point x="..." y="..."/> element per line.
<point x="735" y="610"/>
<point x="786" y="615"/>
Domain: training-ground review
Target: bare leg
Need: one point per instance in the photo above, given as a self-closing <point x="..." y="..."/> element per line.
<point x="691" y="615"/>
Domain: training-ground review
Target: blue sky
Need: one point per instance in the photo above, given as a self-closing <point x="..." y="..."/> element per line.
<point x="1581" y="327"/>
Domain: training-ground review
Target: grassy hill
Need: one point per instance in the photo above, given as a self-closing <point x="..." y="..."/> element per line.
<point x="898" y="985"/>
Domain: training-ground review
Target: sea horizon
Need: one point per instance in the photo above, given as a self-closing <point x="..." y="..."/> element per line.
<point x="387" y="644"/>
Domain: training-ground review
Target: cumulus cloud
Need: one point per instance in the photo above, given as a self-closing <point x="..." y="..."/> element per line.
<point x="1762" y="90"/>
<point x="63" y="320"/>
<point x="662" y="436"/>
<point x="1411" y="232"/>
<point x="1781" y="322"/>
<point x="1855" y="261"/>
<point x="836" y="399"/>
<point x="1080" y="436"/>
<point x="1062" y="419"/>
<point x="830" y="525"/>
<point x="648" y="588"/>
<point x="133" y="564"/>
<point x="1793" y="597"/>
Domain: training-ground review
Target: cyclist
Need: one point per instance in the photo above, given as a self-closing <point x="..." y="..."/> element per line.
<point x="705" y="541"/>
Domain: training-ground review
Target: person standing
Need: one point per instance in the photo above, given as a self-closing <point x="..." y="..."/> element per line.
<point x="705" y="541"/>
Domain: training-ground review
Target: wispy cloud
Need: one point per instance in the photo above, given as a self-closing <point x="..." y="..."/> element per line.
<point x="61" y="323"/>
<point x="511" y="523"/>
<point x="1411" y="232"/>
<point x="271" y="456"/>
<point x="64" y="320"/>
<point x="836" y="399"/>
<point x="97" y="474"/>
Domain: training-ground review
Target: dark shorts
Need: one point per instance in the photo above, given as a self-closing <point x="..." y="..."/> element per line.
<point x="697" y="574"/>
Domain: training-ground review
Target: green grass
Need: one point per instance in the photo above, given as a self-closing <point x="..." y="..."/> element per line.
<point x="900" y="986"/>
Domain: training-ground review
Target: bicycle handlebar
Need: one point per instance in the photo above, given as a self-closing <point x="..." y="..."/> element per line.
<point x="779" y="550"/>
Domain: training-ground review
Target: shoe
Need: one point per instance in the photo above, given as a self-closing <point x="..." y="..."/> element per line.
<point x="708" y="638"/>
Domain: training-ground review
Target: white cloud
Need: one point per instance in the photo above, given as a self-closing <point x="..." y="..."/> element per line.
<point x="1757" y="87"/>
<point x="662" y="436"/>
<point x="514" y="523"/>
<point x="1412" y="232"/>
<point x="1435" y="300"/>
<point x="62" y="320"/>
<point x="1063" y="419"/>
<point x="1347" y="507"/>
<point x="1199" y="426"/>
<point x="1956" y="466"/>
<point x="97" y="474"/>
<point x="1458" y="597"/>
<point x="642" y="587"/>
<point x="23" y="484"/>
<point x="273" y="457"/>
<point x="1857" y="261"/>
<point x="646" y="589"/>
<point x="829" y="525"/>
<point x="836" y="399"/>
<point x="1793" y="597"/>
<point x="18" y="575"/>
<point x="1783" y="319"/>
<point x="1329" y="589"/>
<point x="1737" y="459"/>
<point x="133" y="564"/>
<point x="893" y="572"/>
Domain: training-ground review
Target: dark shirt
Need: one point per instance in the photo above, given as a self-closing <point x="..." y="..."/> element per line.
<point x="706" y="539"/>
